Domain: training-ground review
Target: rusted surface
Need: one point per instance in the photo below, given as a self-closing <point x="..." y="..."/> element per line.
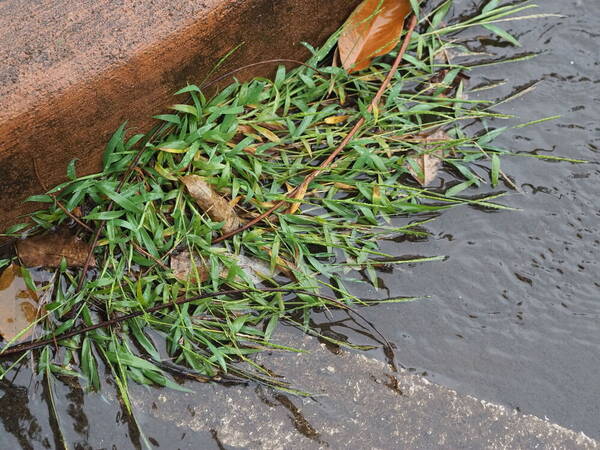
<point x="71" y="72"/>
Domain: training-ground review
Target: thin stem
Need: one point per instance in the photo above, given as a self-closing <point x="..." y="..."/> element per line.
<point x="32" y="345"/>
<point x="259" y="63"/>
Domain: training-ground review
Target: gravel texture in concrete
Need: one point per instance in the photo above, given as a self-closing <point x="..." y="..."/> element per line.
<point x="358" y="402"/>
<point x="72" y="72"/>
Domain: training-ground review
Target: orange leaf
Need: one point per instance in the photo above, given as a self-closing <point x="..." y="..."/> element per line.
<point x="372" y="30"/>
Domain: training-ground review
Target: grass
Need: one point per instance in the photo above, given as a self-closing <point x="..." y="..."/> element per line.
<point x="253" y="142"/>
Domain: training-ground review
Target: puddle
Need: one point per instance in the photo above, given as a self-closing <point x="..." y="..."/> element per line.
<point x="19" y="306"/>
<point x="514" y="310"/>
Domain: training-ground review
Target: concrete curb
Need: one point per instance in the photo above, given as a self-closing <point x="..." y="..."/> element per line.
<point x="361" y="403"/>
<point x="72" y="72"/>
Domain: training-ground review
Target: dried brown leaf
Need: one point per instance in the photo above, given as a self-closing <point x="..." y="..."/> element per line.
<point x="49" y="249"/>
<point x="18" y="305"/>
<point x="7" y="277"/>
<point x="217" y="208"/>
<point x="187" y="267"/>
<point x="429" y="163"/>
<point x="376" y="194"/>
<point x="267" y="133"/>
<point x="183" y="264"/>
<point x="372" y="30"/>
<point x="256" y="269"/>
<point x="284" y="266"/>
<point x="299" y="196"/>
<point x="344" y="186"/>
<point x="251" y="149"/>
<point x="336" y="59"/>
<point x="273" y="126"/>
<point x="247" y="130"/>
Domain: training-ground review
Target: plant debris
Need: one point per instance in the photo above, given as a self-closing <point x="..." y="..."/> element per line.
<point x="372" y="30"/>
<point x="187" y="266"/>
<point x="49" y="249"/>
<point x="212" y="203"/>
<point x="430" y="160"/>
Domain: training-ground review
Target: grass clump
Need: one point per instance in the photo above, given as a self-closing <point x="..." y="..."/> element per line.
<point x="252" y="143"/>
